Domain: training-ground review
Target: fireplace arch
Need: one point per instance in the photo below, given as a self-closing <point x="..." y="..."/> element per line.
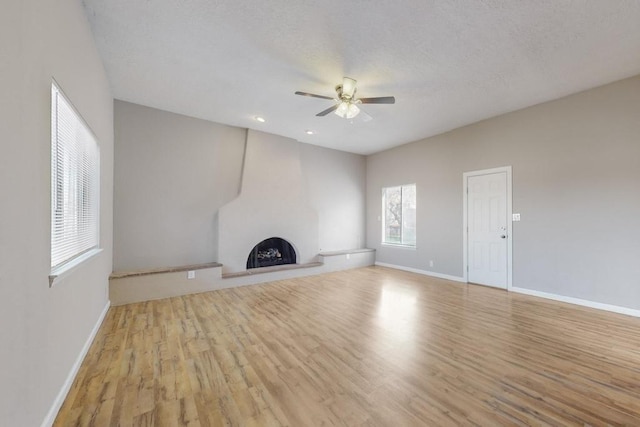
<point x="270" y="252"/>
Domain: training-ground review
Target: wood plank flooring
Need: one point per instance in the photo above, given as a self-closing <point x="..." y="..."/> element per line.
<point x="371" y="346"/>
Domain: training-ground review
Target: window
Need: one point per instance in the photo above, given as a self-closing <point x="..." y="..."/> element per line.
<point x="399" y="210"/>
<point x="75" y="183"/>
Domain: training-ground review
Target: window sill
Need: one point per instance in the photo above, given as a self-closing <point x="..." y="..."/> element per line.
<point x="60" y="273"/>
<point x="393" y="245"/>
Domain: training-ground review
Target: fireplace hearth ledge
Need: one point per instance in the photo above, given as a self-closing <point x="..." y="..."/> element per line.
<point x="262" y="270"/>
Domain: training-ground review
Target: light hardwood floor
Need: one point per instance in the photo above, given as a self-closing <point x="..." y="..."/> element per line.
<point x="372" y="346"/>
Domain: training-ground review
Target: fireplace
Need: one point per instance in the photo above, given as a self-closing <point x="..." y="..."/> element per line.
<point x="272" y="202"/>
<point x="272" y="251"/>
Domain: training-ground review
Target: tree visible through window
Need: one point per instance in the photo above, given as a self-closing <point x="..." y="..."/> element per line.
<point x="399" y="210"/>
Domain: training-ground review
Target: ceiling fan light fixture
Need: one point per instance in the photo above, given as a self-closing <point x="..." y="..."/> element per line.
<point x="352" y="111"/>
<point x="347" y="110"/>
<point x="342" y="109"/>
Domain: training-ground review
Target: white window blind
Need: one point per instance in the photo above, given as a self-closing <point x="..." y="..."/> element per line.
<point x="75" y="183"/>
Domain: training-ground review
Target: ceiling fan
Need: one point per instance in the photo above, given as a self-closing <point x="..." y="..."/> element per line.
<point x="346" y="102"/>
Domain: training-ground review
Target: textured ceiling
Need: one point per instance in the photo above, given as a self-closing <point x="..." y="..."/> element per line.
<point x="448" y="63"/>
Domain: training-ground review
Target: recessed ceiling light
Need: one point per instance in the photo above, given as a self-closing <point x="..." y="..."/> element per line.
<point x="260" y="119"/>
<point x="309" y="132"/>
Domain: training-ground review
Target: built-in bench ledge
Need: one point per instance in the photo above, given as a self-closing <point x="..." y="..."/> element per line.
<point x="122" y="275"/>
<point x="145" y="285"/>
<point x="261" y="270"/>
<point x="346" y="251"/>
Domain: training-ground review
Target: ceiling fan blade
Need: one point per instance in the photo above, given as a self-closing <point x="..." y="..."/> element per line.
<point x="365" y="117"/>
<point x="379" y="100"/>
<point x="313" y="95"/>
<point x="328" y="110"/>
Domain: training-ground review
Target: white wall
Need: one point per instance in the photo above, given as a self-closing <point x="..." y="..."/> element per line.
<point x="173" y="174"/>
<point x="576" y="169"/>
<point x="44" y="329"/>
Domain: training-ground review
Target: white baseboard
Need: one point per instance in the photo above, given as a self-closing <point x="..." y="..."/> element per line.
<point x="62" y="394"/>
<point x="578" y="301"/>
<point x="424" y="272"/>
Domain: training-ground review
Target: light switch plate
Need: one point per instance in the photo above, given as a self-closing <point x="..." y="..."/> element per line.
<point x="516" y="217"/>
<point x="191" y="274"/>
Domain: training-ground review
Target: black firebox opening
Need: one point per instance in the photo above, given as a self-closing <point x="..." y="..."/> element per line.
<point x="272" y="251"/>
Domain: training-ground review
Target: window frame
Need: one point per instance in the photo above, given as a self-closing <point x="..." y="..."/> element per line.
<point x="400" y="244"/>
<point x="75" y="187"/>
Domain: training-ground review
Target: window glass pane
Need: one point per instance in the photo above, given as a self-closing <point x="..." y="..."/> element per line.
<point x="399" y="211"/>
<point x="393" y="215"/>
<point x="409" y="215"/>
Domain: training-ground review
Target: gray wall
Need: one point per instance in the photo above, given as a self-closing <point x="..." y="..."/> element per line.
<point x="44" y="329"/>
<point x="335" y="183"/>
<point x="576" y="175"/>
<point x="174" y="172"/>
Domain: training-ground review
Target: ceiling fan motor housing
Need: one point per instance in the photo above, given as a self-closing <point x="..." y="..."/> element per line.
<point x="344" y="96"/>
<point x="347" y="90"/>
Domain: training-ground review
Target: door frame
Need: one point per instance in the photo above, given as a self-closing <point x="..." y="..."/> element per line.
<point x="465" y="225"/>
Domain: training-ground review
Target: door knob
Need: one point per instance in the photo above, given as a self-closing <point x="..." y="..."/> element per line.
<point x="504" y="236"/>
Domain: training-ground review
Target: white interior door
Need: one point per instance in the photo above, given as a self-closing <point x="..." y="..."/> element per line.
<point x="487" y="236"/>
